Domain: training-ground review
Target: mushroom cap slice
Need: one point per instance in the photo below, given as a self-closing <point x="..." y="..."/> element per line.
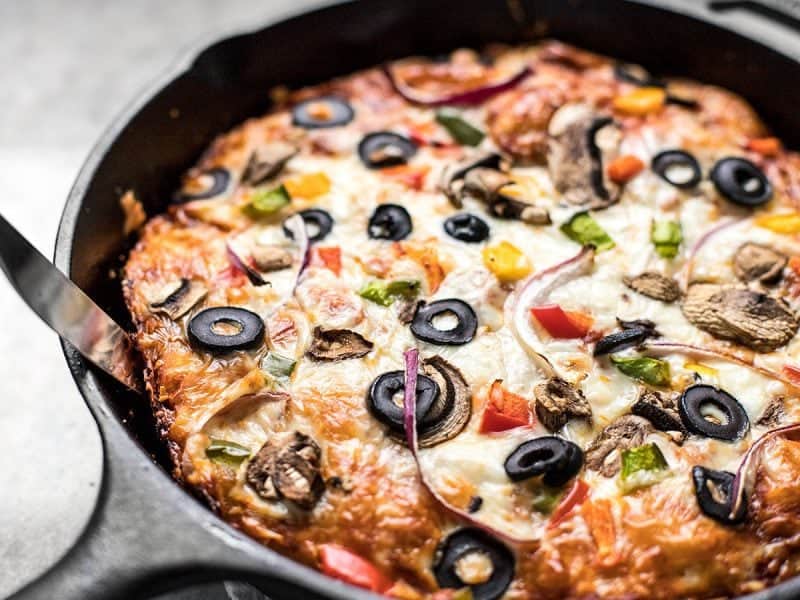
<point x="337" y="344"/>
<point x="454" y="403"/>
<point x="742" y="315"/>
<point x="654" y="285"/>
<point x="267" y="161"/>
<point x="557" y="401"/>
<point x="181" y="300"/>
<point x="605" y="452"/>
<point x="757" y="262"/>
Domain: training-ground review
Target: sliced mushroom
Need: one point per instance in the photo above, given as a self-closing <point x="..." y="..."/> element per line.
<point x="745" y="316"/>
<point x="581" y="141"/>
<point x="452" y="178"/>
<point x="288" y="468"/>
<point x="605" y="452"/>
<point x="756" y="262"/>
<point x="271" y="258"/>
<point x="557" y="401"/>
<point x="266" y="162"/>
<point x="338" y="344"/>
<point x="452" y="409"/>
<point x="661" y="410"/>
<point x="654" y="285"/>
<point x="773" y="413"/>
<point x="485" y="184"/>
<point x="182" y="299"/>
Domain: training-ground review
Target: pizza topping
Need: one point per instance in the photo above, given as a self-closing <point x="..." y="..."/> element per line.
<point x="654" y="285"/>
<point x="226" y="328"/>
<point x="506" y="261"/>
<point x="582" y="228"/>
<point x="267" y="161"/>
<point x="340" y="563"/>
<point x="562" y="324"/>
<point x="757" y="262"/>
<point x="318" y="224"/>
<point x="338" y="344"/>
<point x="389" y="222"/>
<point x="556" y="459"/>
<point x="633" y="333"/>
<point x="741" y="182"/>
<point x="745" y="316"/>
<point x="206" y="184"/>
<point x="678" y="168"/>
<point x="712" y="412"/>
<point x="636" y="75"/>
<point x="386" y="293"/>
<point x="277" y="367"/>
<point x="452" y="177"/>
<point x="623" y="169"/>
<point x="713" y="490"/>
<point x="557" y="401"/>
<point x="227" y="453"/>
<point x="466" y="227"/>
<point x="504" y="410"/>
<point x="321" y="113"/>
<point x="452" y="409"/>
<point x="641" y="102"/>
<point x="473" y="558"/>
<point x="765" y="146"/>
<point x="642" y="466"/>
<point x="786" y="223"/>
<point x="666" y="237"/>
<point x="242" y="264"/>
<point x="182" y="299"/>
<point x="661" y="409"/>
<point x="288" y="468"/>
<point x="385" y="399"/>
<point x="385" y="149"/>
<point x="268" y="258"/>
<point x="605" y="452"/>
<point x="651" y="371"/>
<point x="580" y="140"/>
<point x="308" y="185"/>
<point x="460" y="130"/>
<point x="450" y="322"/>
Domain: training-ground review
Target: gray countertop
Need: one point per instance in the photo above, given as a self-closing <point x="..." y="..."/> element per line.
<point x="68" y="67"/>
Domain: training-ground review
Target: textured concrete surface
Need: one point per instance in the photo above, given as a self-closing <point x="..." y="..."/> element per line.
<point x="69" y="66"/>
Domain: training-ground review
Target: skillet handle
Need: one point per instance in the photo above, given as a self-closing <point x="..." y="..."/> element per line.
<point x="147" y="536"/>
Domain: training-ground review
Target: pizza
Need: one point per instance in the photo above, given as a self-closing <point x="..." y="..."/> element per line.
<point x="512" y="324"/>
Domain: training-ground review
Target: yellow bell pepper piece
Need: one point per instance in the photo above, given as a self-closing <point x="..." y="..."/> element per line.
<point x="701" y="369"/>
<point x="641" y="101"/>
<point x="308" y="185"/>
<point x="506" y="261"/>
<point x="785" y="223"/>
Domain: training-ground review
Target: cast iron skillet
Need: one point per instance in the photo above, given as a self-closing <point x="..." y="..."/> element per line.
<point x="147" y="535"/>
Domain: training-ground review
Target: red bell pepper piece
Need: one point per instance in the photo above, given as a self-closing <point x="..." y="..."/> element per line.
<point x="560" y="323"/>
<point x="340" y="563"/>
<point x="411" y="177"/>
<point x="331" y="258"/>
<point x="575" y="497"/>
<point x="793" y="373"/>
<point x="504" y="410"/>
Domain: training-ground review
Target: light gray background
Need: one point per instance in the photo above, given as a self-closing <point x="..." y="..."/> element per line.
<point x="67" y="68"/>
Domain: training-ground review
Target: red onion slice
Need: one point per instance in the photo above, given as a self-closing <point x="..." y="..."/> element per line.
<point x="297" y="226"/>
<point x="240" y="263"/>
<point x="686" y="276"/>
<point x="746" y="473"/>
<point x="534" y="291"/>
<point x="411" y="357"/>
<point x="468" y="97"/>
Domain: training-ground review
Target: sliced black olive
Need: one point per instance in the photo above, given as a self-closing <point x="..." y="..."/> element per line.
<point x="389" y="222"/>
<point x="636" y="75"/>
<point x="713" y="490"/>
<point x="731" y="425"/>
<point x="741" y="182"/>
<point x="619" y="340"/>
<point x="214" y="182"/>
<point x="467" y="228"/>
<point x="424" y="328"/>
<point x="467" y="541"/>
<point x="385" y="149"/>
<point x="475" y="504"/>
<point x="559" y="460"/>
<point x="677" y="167"/>
<point x="318" y="224"/>
<point x="318" y="113"/>
<point x="207" y="329"/>
<point x="385" y="399"/>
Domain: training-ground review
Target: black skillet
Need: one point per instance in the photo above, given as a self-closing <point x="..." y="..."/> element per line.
<point x="147" y="534"/>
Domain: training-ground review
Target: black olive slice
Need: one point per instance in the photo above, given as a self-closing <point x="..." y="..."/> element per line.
<point x="677" y="167"/>
<point x="385" y="149"/>
<point x="713" y="491"/>
<point x="319" y="113"/>
<point x="619" y="340"/>
<point x="424" y="328"/>
<point x="213" y="181"/>
<point x="636" y="75"/>
<point x="318" y="224"/>
<point x="559" y="460"/>
<point x="206" y="329"/>
<point x="741" y="182"/>
<point x="389" y="222"/>
<point x="733" y="423"/>
<point x="467" y="227"/>
<point x="385" y="399"/>
<point x="469" y="540"/>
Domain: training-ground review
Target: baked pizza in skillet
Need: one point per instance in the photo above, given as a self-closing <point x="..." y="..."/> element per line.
<point x="517" y="324"/>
